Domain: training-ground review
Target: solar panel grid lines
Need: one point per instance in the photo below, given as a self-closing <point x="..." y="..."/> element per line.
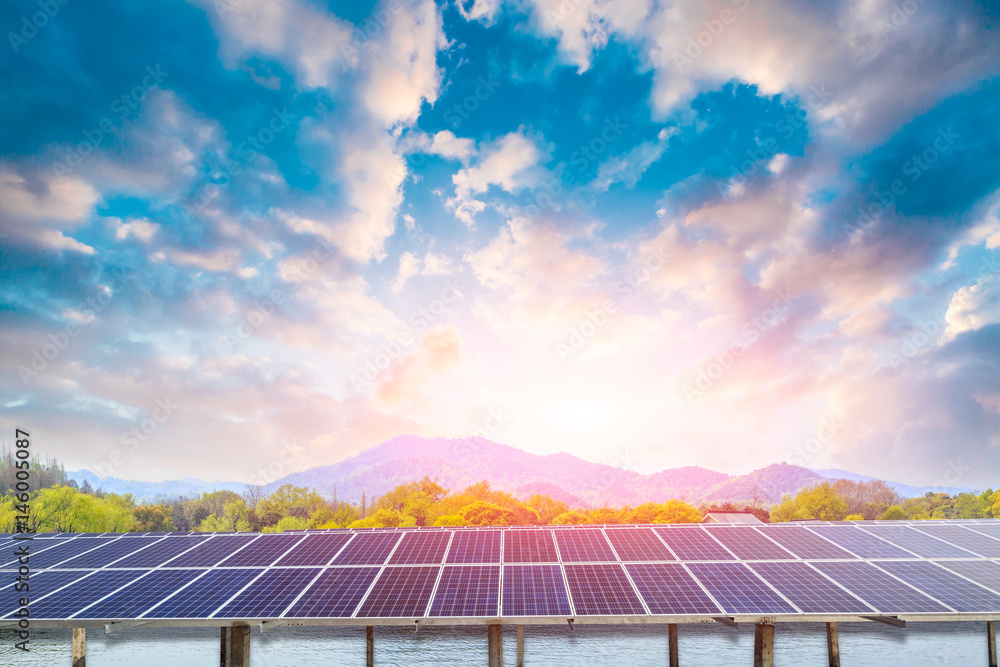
<point x="809" y="589"/>
<point x="529" y="546"/>
<point x="748" y="543"/>
<point x="638" y="544"/>
<point x="368" y="548"/>
<point x="669" y="589"/>
<point x="269" y="594"/>
<point x="316" y="549"/>
<point x="110" y="553"/>
<point x="421" y="548"/>
<point x="534" y="590"/>
<point x="918" y="542"/>
<point x="54" y="580"/>
<point x="160" y="555"/>
<point x="212" y="550"/>
<point x="437" y="582"/>
<point x="738" y="589"/>
<point x="335" y="593"/>
<point x="990" y="530"/>
<point x="963" y="538"/>
<point x="48" y="558"/>
<point x="694" y="543"/>
<point x="860" y="542"/>
<point x="400" y="592"/>
<point x="986" y="573"/>
<point x="805" y="544"/>
<point x="466" y="591"/>
<point x="632" y="583"/>
<point x="943" y="585"/>
<point x="140" y="594"/>
<point x="878" y="588"/>
<point x="262" y="552"/>
<point x="200" y="598"/>
<point x="584" y="546"/>
<point x="82" y="593"/>
<point x="602" y="589"/>
<point x="474" y="546"/>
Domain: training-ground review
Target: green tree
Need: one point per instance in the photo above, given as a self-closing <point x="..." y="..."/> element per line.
<point x="571" y="518"/>
<point x="894" y="513"/>
<point x="152" y="518"/>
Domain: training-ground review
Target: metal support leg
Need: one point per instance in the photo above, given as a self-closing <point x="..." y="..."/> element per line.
<point x="674" y="654"/>
<point x="495" y="638"/>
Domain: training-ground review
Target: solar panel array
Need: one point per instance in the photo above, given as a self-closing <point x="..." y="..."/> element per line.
<point x="945" y="568"/>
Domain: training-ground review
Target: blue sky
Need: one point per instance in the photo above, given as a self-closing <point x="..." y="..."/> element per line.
<point x="724" y="233"/>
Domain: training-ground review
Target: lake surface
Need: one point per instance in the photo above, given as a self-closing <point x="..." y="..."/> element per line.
<point x="861" y="645"/>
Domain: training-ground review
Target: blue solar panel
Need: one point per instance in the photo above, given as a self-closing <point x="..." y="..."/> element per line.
<point x="160" y="554"/>
<point x="809" y="590"/>
<point x="529" y="546"/>
<point x="419" y="548"/>
<point x="963" y="537"/>
<point x="263" y="551"/>
<point x="804" y="544"/>
<point x="602" y="590"/>
<point x="749" y="544"/>
<point x="583" y="545"/>
<point x="638" y="544"/>
<point x="884" y="593"/>
<point x="65" y="550"/>
<point x="108" y="553"/>
<point x="738" y="590"/>
<point x="211" y="551"/>
<point x="668" y="589"/>
<point x="63" y="603"/>
<point x="693" y="543"/>
<point x="205" y="595"/>
<point x="400" y="592"/>
<point x="474" y="546"/>
<point x="989" y="529"/>
<point x="270" y="595"/>
<point x="140" y="595"/>
<point x="467" y="590"/>
<point x="534" y="590"/>
<point x="919" y="543"/>
<point x="39" y="585"/>
<point x="951" y="589"/>
<point x="983" y="572"/>
<point x="368" y="549"/>
<point x="860" y="543"/>
<point x="335" y="594"/>
<point x="316" y="549"/>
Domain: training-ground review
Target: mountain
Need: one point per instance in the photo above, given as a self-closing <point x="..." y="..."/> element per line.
<point x="904" y="490"/>
<point x="150" y="490"/>
<point x="457" y="464"/>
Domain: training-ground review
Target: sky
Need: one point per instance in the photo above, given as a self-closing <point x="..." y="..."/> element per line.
<point x="240" y="238"/>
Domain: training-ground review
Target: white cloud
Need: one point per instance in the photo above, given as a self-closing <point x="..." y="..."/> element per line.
<point x="973" y="307"/>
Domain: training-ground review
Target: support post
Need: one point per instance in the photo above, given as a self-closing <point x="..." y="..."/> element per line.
<point x="520" y="646"/>
<point x="235" y="649"/>
<point x="991" y="643"/>
<point x="495" y="639"/>
<point x="370" y="645"/>
<point x="763" y="645"/>
<point x="675" y="660"/>
<point x="833" y="644"/>
<point x="79" y="647"/>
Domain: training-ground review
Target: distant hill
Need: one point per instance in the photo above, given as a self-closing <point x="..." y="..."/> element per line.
<point x="902" y="489"/>
<point x="150" y="490"/>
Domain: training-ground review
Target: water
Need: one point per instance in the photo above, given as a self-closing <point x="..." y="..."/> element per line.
<point x="708" y="645"/>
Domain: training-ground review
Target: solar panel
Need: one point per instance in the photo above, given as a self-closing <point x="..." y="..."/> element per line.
<point x="738" y="590"/>
<point x="39" y="585"/>
<point x="667" y="588"/>
<point x="859" y="542"/>
<point x="475" y="546"/>
<point x="367" y="549"/>
<point x="335" y="594"/>
<point x="164" y="551"/>
<point x="467" y="590"/>
<point x="638" y="544"/>
<point x="919" y="543"/>
<point x="64" y="551"/>
<point x="140" y="595"/>
<point x="804" y="544"/>
<point x="877" y="588"/>
<point x="988" y="529"/>
<point x="63" y="603"/>
<point x="205" y="595"/>
<point x="692" y="543"/>
<point x="315" y="549"/>
<point x="983" y="572"/>
<point x="958" y="593"/>
<point x="602" y="590"/>
<point x="749" y="544"/>
<point x="418" y="548"/>
<point x="263" y="551"/>
<point x="400" y="592"/>
<point x="809" y="590"/>
<point x="583" y="546"/>
<point x="963" y="537"/>
<point x="534" y="590"/>
<point x="529" y="546"/>
<point x="107" y="553"/>
<point x="211" y="551"/>
<point x="269" y="595"/>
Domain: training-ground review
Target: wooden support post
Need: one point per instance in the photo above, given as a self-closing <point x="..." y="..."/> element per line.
<point x="674" y="654"/>
<point x="223" y="646"/>
<point x="991" y="643"/>
<point x="763" y="645"/>
<point x="235" y="648"/>
<point x="79" y="647"/>
<point x="370" y="645"/>
<point x="520" y="646"/>
<point x="833" y="644"/>
<point x="495" y="639"/>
